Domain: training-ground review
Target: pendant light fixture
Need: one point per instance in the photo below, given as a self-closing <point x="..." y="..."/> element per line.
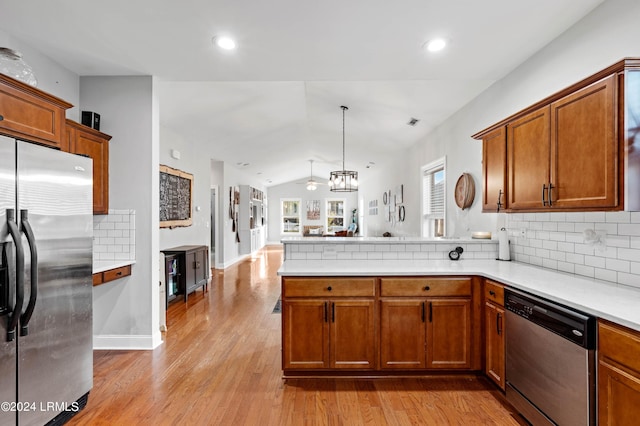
<point x="343" y="180"/>
<point x="312" y="185"/>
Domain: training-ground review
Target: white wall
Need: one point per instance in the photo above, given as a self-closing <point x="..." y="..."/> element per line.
<point x="52" y="77"/>
<point x="126" y="310"/>
<point x="387" y="177"/>
<point x="191" y="161"/>
<point x="602" y="38"/>
<point x="295" y="190"/>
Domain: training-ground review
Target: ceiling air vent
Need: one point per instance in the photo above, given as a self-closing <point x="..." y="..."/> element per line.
<point x="413" y="121"/>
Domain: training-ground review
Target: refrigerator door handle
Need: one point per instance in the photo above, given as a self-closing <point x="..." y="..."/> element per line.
<point x="28" y="232"/>
<point x="17" y="240"/>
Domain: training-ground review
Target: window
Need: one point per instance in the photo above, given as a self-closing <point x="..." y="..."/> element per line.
<point x="433" y="199"/>
<point x="290" y="216"/>
<point x="335" y="215"/>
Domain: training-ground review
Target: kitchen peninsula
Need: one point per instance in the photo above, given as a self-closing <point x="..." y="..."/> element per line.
<point x="374" y="307"/>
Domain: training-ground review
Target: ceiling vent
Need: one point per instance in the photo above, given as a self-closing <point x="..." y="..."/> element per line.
<point x="412" y="122"/>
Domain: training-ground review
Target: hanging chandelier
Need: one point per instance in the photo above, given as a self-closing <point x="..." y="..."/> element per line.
<point x="343" y="180"/>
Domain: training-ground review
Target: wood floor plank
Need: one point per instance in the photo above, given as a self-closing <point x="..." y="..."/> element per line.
<point x="220" y="364"/>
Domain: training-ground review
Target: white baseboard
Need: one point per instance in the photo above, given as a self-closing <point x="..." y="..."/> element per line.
<point x="127" y="343"/>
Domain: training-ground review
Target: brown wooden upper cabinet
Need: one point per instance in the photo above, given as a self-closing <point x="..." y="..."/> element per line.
<point x="30" y="114"/>
<point x="87" y="141"/>
<point x="494" y="171"/>
<point x="563" y="153"/>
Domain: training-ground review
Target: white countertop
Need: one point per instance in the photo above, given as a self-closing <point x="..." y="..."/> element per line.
<point x="105" y="265"/>
<point x="385" y="240"/>
<point x="619" y="304"/>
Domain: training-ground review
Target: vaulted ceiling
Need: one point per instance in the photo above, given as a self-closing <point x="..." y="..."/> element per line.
<point x="274" y="102"/>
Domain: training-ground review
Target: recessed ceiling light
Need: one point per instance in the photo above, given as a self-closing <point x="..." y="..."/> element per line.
<point x="224" y="42"/>
<point x="435" y="45"/>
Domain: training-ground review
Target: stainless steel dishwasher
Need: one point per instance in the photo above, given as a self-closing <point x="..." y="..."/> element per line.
<point x="550" y="369"/>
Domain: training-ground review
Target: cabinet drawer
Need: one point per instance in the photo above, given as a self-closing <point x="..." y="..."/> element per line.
<point x="619" y="344"/>
<point x="97" y="278"/>
<point x="328" y="287"/>
<point x="494" y="292"/>
<point x="114" y="274"/>
<point x="426" y="287"/>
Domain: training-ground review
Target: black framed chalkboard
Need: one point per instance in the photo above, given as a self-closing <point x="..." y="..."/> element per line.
<point x="176" y="195"/>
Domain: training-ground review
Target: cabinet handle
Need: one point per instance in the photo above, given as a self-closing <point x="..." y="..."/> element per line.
<point x="329" y="288"/>
<point x="492" y="293"/>
<point x="423" y="311"/>
<point x="544" y="190"/>
<point x="430" y="311"/>
<point x="118" y="273"/>
<point x="333" y="312"/>
<point x="326" y="317"/>
<point x="427" y="288"/>
<point x="499" y="323"/>
<point x="499" y="200"/>
<point x="549" y="193"/>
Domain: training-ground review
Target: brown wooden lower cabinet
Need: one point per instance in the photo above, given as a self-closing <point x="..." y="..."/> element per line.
<point x="494" y="341"/>
<point x="336" y="334"/>
<point x="425" y="333"/>
<point x="618" y="375"/>
<point x="356" y="329"/>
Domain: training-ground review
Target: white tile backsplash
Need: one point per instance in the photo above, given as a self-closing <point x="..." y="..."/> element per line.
<point x="393" y="251"/>
<point x="557" y="241"/>
<point x="114" y="236"/>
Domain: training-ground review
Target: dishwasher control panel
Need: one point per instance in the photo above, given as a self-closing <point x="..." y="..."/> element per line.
<point x="573" y="325"/>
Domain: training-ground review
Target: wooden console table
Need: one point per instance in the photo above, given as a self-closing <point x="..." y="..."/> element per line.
<point x="192" y="269"/>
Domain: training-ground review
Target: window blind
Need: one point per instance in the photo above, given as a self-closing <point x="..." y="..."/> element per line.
<point x="433" y="193"/>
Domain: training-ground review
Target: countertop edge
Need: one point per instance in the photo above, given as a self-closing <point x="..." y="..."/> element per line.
<point x="105" y="265"/>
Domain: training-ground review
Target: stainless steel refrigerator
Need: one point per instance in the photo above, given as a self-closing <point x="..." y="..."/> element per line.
<point x="46" y="231"/>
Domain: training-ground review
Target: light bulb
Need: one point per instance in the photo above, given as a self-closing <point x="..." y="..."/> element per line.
<point x="225" y="43"/>
<point x="436" y="45"/>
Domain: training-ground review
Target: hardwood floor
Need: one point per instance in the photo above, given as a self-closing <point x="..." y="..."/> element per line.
<point x="220" y="365"/>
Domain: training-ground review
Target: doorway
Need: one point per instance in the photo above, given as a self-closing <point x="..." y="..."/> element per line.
<point x="213" y="222"/>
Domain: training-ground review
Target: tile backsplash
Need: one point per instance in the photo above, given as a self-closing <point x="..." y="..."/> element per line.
<point x="376" y="251"/>
<point x="114" y="235"/>
<point x="600" y="245"/>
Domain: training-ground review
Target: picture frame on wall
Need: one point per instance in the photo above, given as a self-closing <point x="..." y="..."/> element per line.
<point x="313" y="209"/>
<point x="399" y="194"/>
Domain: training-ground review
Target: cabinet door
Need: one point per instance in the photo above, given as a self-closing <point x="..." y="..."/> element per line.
<point x="92" y="145"/>
<point x="305" y="334"/>
<point x="618" y="396"/>
<point x="190" y="271"/>
<point x="494" y="171"/>
<point x="494" y="343"/>
<point x="201" y="267"/>
<point x="31" y="114"/>
<point x="584" y="148"/>
<point x="352" y="342"/>
<point x="403" y="334"/>
<point x="528" y="162"/>
<point x="449" y="333"/>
